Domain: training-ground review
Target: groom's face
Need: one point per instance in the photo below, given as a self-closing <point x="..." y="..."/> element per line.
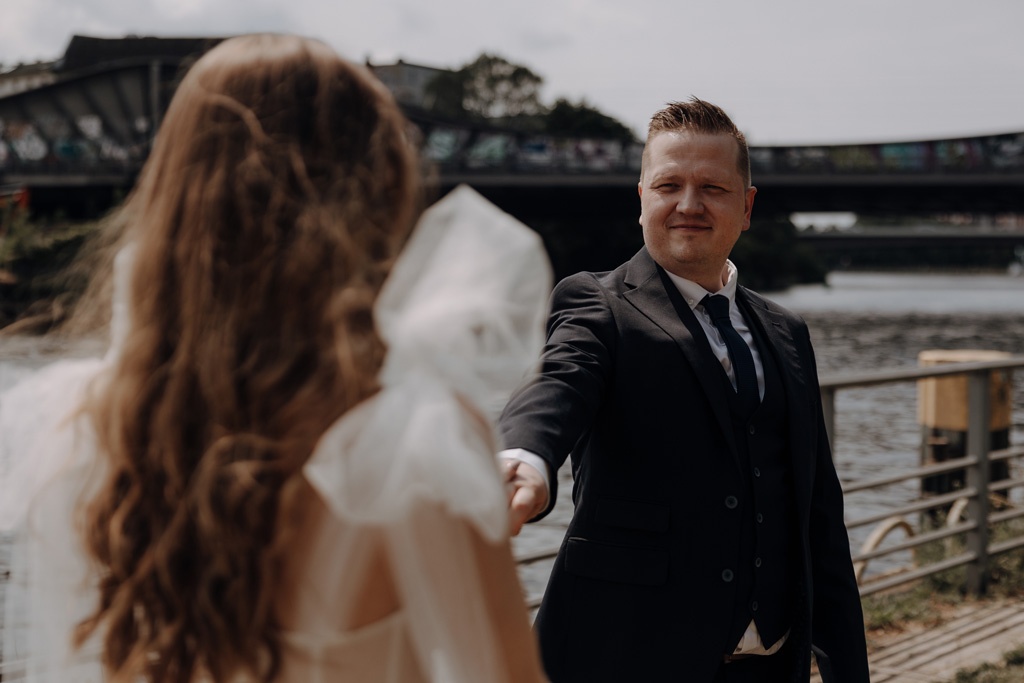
<point x="694" y="203"/>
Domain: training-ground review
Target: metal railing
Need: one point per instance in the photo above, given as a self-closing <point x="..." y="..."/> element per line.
<point x="969" y="511"/>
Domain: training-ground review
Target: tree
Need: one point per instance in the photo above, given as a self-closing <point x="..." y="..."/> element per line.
<point x="581" y="120"/>
<point x="445" y="94"/>
<point x="498" y="89"/>
<point x="489" y="87"/>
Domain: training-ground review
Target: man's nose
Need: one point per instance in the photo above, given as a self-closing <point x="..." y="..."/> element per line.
<point x="689" y="201"/>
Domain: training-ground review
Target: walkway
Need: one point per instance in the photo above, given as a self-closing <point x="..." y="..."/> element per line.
<point x="977" y="632"/>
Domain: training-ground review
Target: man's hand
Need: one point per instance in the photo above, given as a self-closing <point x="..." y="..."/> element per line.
<point x="527" y="494"/>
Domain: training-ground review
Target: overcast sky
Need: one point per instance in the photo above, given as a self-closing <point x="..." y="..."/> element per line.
<point x="788" y="71"/>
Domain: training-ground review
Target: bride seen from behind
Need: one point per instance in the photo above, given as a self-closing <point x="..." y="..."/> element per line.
<point x="282" y="470"/>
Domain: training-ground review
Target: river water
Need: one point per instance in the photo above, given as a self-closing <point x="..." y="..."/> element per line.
<point x="858" y="322"/>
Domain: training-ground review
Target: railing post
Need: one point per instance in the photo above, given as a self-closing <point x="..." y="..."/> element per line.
<point x="978" y="443"/>
<point x="828" y="408"/>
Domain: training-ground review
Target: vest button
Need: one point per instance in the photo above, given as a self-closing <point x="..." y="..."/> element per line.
<point x="757" y="561"/>
<point x="753" y="606"/>
<point x="757" y="472"/>
<point x="760" y="518"/>
<point x="731" y="502"/>
<point x="727" y="575"/>
<point x="751" y="429"/>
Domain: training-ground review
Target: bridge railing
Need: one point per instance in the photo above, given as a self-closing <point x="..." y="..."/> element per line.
<point x="957" y="527"/>
<point x="477" y="149"/>
<point x="455" y="148"/>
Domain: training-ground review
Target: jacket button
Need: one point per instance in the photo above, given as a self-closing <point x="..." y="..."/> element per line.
<point x="757" y="561"/>
<point x="727" y="575"/>
<point x="751" y="429"/>
<point x="731" y="502"/>
<point x="757" y="472"/>
<point x="760" y="518"/>
<point x="753" y="606"/>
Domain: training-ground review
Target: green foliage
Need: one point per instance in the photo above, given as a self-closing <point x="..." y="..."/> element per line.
<point x="489" y="87"/>
<point x="582" y="121"/>
<point x="445" y="95"/>
<point x="770" y="258"/>
<point x="1015" y="657"/>
<point x="34" y="262"/>
<point x="986" y="673"/>
<point x="1010" y="670"/>
<point x="919" y="604"/>
<point x="1006" y="570"/>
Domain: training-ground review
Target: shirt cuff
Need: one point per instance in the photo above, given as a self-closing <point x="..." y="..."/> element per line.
<point x="533" y="460"/>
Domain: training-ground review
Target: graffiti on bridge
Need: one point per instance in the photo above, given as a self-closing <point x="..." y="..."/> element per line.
<point x="53" y="143"/>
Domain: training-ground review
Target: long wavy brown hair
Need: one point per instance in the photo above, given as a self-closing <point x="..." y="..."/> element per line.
<point x="279" y="190"/>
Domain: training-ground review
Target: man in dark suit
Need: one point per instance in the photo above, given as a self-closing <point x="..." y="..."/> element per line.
<point x="708" y="541"/>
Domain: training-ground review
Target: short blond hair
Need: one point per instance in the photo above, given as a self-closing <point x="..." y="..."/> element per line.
<point x="698" y="116"/>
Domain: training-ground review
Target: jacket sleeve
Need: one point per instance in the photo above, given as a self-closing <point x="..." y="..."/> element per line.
<point x="837" y="618"/>
<point x="548" y="414"/>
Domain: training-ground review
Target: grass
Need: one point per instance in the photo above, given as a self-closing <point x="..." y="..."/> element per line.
<point x="1010" y="670"/>
<point x="926" y="601"/>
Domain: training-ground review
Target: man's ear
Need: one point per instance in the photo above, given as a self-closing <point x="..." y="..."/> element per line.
<point x="640" y="193"/>
<point x="748" y="206"/>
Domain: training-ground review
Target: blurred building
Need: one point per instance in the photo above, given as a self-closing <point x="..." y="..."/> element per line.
<point x="407" y="82"/>
<point x="22" y="77"/>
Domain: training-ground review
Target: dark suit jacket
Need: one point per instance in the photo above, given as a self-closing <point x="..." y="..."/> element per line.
<point x="626" y="386"/>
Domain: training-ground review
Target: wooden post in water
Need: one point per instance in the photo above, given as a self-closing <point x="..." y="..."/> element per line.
<point x="943" y="410"/>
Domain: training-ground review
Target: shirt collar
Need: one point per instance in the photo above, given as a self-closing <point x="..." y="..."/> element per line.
<point x="694" y="293"/>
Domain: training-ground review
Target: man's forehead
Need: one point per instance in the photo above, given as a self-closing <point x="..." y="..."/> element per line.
<point x="688" y="138"/>
<point x="674" y="150"/>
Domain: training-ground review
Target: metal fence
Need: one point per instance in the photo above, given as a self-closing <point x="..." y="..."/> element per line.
<point x="966" y="512"/>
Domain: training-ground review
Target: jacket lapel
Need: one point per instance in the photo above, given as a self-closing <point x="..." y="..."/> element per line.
<point x="657" y="298"/>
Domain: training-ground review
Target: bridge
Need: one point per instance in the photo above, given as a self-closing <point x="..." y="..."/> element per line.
<point x="83" y="136"/>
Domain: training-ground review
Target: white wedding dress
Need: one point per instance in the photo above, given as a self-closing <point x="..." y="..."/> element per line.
<point x="462" y="313"/>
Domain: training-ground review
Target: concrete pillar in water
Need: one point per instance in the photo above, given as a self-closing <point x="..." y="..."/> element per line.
<point x="942" y="409"/>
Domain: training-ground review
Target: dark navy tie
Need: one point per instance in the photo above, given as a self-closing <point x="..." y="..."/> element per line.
<point x="717" y="306"/>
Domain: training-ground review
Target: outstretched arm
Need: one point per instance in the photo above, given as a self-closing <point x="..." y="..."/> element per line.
<point x="547" y="415"/>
